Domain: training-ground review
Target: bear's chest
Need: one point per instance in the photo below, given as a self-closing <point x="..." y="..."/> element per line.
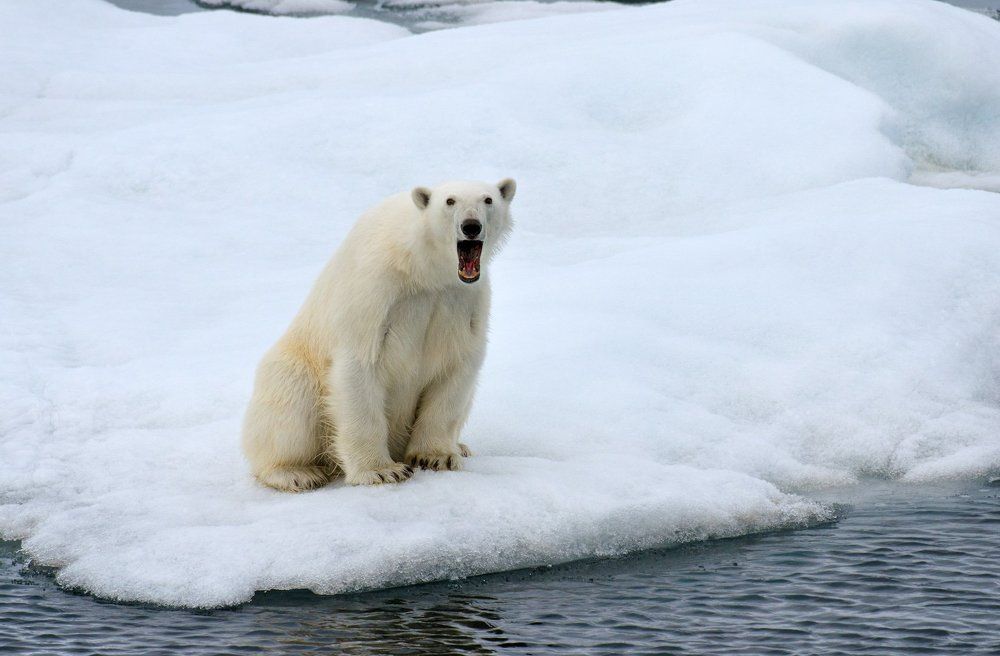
<point x="429" y="333"/>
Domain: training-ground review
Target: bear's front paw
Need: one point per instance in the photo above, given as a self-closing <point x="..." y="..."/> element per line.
<point x="435" y="461"/>
<point x="396" y="473"/>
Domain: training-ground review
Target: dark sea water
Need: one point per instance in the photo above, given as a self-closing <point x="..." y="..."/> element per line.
<point x="905" y="570"/>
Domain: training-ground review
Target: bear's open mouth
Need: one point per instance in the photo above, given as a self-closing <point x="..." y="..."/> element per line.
<point x="468" y="260"/>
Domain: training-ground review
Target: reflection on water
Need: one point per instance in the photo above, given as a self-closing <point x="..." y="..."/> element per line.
<point x="455" y="623"/>
<point x="907" y="570"/>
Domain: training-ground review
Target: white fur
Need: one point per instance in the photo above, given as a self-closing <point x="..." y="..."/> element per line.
<point x="379" y="367"/>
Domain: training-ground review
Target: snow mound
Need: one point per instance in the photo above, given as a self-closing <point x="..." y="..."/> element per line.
<point x="724" y="287"/>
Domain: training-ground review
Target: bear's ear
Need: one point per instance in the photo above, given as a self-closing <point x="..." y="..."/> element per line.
<point x="421" y="197"/>
<point x="507" y="188"/>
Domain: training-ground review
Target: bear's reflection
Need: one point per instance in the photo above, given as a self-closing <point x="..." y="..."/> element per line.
<point x="439" y="623"/>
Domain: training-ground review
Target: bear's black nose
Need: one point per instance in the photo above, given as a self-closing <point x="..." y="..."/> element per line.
<point x="471" y="228"/>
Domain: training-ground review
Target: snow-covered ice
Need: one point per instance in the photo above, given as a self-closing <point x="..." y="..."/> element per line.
<point x="724" y="287"/>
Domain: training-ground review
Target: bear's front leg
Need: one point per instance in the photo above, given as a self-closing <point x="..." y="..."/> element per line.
<point x="361" y="444"/>
<point x="444" y="407"/>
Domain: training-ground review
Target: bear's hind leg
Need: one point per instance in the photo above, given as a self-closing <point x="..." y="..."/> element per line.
<point x="281" y="436"/>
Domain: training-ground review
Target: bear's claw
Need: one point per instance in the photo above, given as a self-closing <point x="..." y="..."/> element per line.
<point x="294" y="478"/>
<point x="436" y="461"/>
<point x="397" y="473"/>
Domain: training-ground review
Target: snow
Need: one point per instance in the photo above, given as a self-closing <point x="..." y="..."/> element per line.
<point x="421" y="14"/>
<point x="725" y="287"/>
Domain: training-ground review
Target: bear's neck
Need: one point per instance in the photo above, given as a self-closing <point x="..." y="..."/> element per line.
<point x="425" y="261"/>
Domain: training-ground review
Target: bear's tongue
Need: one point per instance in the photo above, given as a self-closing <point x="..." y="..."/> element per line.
<point x="468" y="260"/>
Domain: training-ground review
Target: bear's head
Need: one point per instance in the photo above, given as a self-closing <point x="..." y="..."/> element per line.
<point x="469" y="220"/>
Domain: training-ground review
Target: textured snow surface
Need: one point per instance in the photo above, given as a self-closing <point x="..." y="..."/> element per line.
<point x="723" y="287"/>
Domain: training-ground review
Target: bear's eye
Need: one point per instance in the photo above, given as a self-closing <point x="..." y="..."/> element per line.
<point x="489" y="201"/>
<point x="450" y="201"/>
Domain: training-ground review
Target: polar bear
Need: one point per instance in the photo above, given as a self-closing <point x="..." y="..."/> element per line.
<point x="375" y="375"/>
